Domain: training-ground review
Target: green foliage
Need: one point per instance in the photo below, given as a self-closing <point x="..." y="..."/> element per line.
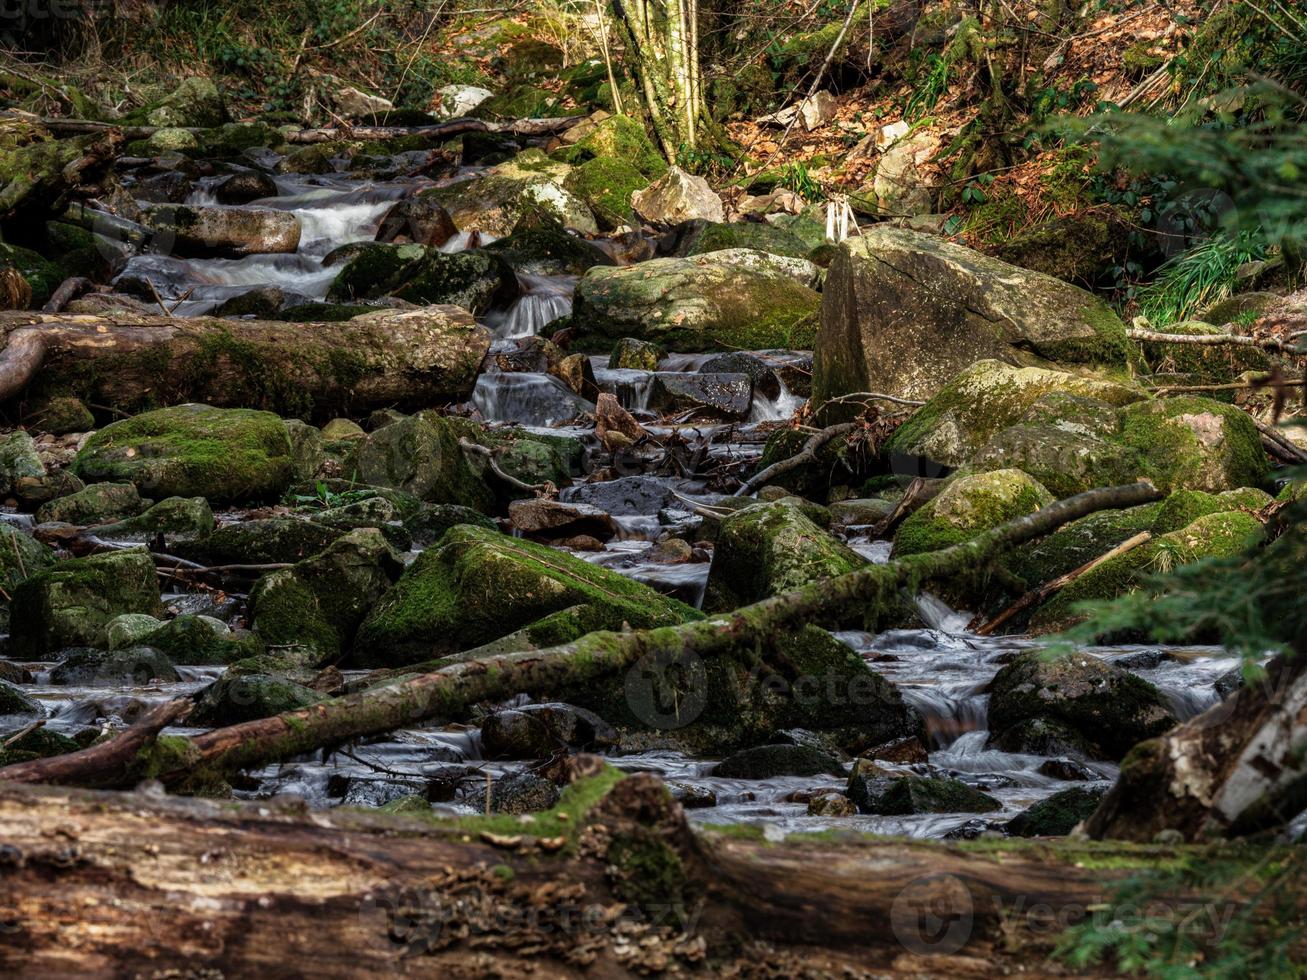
<point x="934" y="81"/>
<point x="795" y="177"/>
<point x="1194" y="280"/>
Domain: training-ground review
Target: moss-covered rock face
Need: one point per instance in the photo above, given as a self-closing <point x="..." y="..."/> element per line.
<point x="41" y="274"/>
<point x="422" y="457"/>
<point x="61" y="415"/>
<point x="232" y="700"/>
<point x="767" y="549"/>
<point x="1106" y="706"/>
<point x="269" y="540"/>
<point x="1077" y="543"/>
<point x="317" y="606"/>
<point x="13" y="701"/>
<point x="196" y="102"/>
<point x="133" y="666"/>
<point x="226" y="455"/>
<point x="1183" y="507"/>
<point x="429" y="524"/>
<point x="1065" y="461"/>
<point x="1202" y="363"/>
<point x="1058" y="815"/>
<point x="191" y="640"/>
<point x="635" y="355"/>
<point x="903" y="312"/>
<point x="20" y="464"/>
<point x="473" y="280"/>
<point x="548" y="250"/>
<point x="1218" y="535"/>
<point x="702" y="237"/>
<point x="528" y="184"/>
<point x="1195" y="443"/>
<point x="605" y="185"/>
<point x="902" y="795"/>
<point x="615" y="138"/>
<point x="986" y="398"/>
<point x="21" y="556"/>
<point x="733" y="300"/>
<point x="968" y="506"/>
<point x="477" y="585"/>
<point x="72" y="603"/>
<point x="100" y="503"/>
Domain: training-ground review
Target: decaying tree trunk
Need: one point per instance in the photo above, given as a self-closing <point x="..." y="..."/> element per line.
<point x="138" y="884"/>
<point x="412" y="358"/>
<point x="451" y="691"/>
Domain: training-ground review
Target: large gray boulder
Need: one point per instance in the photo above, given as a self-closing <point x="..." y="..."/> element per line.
<point x="677" y="196"/>
<point x="902" y="312"/>
<point x="204" y="230"/>
<point x="530" y="183"/>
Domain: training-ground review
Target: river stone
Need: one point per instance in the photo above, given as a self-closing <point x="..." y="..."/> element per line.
<point x="701" y="237"/>
<point x="202" y="231"/>
<point x="983" y="400"/>
<point x="269" y="540"/>
<point x="134" y="666"/>
<point x="473" y="280"/>
<point x="19" y="462"/>
<point x="494" y="202"/>
<point x="477" y="585"/>
<point x="729" y="300"/>
<point x="539" y="731"/>
<point x="429" y="524"/>
<point x="902" y="312"/>
<point x="770" y="761"/>
<point x="635" y="355"/>
<point x="770" y="548"/>
<point x="13" y="701"/>
<point x="128" y="629"/>
<point x="60" y="416"/>
<point x="100" y="503"/>
<point x="548" y="250"/>
<point x="72" y="603"/>
<point x="1196" y="443"/>
<point x="226" y="455"/>
<point x="244" y="187"/>
<point x="522" y="792"/>
<point x="967" y="506"/>
<point x="39" y="743"/>
<point x="249" y="697"/>
<point x="416" y="220"/>
<point x="1110" y="709"/>
<point x="422" y="457"/>
<point x="606" y="186"/>
<point x="197" y="640"/>
<point x="678" y="196"/>
<point x="552" y="519"/>
<point x="1058" y="815"/>
<point x="904" y="795"/>
<point x="859" y="511"/>
<point x="724" y="395"/>
<point x="189" y="517"/>
<point x="318" y="604"/>
<point x="21" y="556"/>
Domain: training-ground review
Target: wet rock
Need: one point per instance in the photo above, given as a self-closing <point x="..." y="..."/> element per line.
<point x="100" y="503"/>
<point x="538" y="731"/>
<point x="859" y="511"/>
<point x="72" y="603"/>
<point x="60" y="416"/>
<point x="262" y="302"/>
<point x="429" y="524"/>
<point x="692" y="797"/>
<point x="678" y="196"/>
<point x="530" y="183"/>
<point x="770" y="761"/>
<point x="317" y="605"/>
<point x="193" y="639"/>
<point x="19" y="462"/>
<point x="637" y="355"/>
<point x="972" y="407"/>
<point x="473" y="279"/>
<point x="903" y="795"/>
<point x="725" y="395"/>
<point x="170" y="187"/>
<point x="232" y="700"/>
<point x="1042" y="736"/>
<point x="480" y="585"/>
<point x="907" y="750"/>
<point x="422" y="457"/>
<point x="627" y="496"/>
<point x="128" y="629"/>
<point x="13" y="674"/>
<point x="244" y="187"/>
<point x="671" y="551"/>
<point x="227" y="455"/>
<point x="522" y="792"/>
<point x="767" y="549"/>
<point x="21" y="556"/>
<point x="907" y="311"/>
<point x="729" y="300"/>
<point x="200" y="231"/>
<point x="1058" y="815"/>
<point x="418" y="221"/>
<point x="968" y="506"/>
<point x="133" y="667"/>
<point x="271" y="540"/>
<point x="1068" y="770"/>
<point x="831" y="805"/>
<point x="1107" y="707"/>
<point x="548" y="250"/>
<point x="40" y="743"/>
<point x="552" y="519"/>
<point x="14" y="702"/>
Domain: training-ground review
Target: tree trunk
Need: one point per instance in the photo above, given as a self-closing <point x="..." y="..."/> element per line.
<point x="138" y="884"/>
<point x="408" y="359"/>
<point x="452" y="691"/>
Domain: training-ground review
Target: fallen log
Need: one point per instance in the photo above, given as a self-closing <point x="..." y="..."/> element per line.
<point x="1209" y="340"/>
<point x="453" y="690"/>
<point x="413" y="358"/>
<point x="139" y="884"/>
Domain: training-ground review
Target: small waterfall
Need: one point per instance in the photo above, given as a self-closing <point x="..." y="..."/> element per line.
<point x="527" y="399"/>
<point x="632" y="388"/>
<point x="938" y="616"/>
<point x="463" y="240"/>
<point x="543" y="300"/>
<point x="777" y="409"/>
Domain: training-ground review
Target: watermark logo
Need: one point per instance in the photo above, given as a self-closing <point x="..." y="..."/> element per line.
<point x="933" y="915"/>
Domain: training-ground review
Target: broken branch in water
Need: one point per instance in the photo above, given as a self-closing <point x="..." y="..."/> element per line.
<point x="808" y="454"/>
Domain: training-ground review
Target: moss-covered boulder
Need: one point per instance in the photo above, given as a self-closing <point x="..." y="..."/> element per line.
<point x="1108" y="707"/>
<point x="771" y="548"/>
<point x="614" y="138"/>
<point x="226" y="455"/>
<point x="317" y="605"/>
<point x="1066" y="461"/>
<point x="702" y="237"/>
<point x="904" y="795"/>
<point x="1058" y="815"/>
<point x="738" y="299"/>
<point x="422" y="457"/>
<point x="21" y="556"/>
<point x="196" y="102"/>
<point x="40" y="743"/>
<point x="71" y="603"/>
<point x="987" y="397"/>
<point x="1202" y="363"/>
<point x="268" y="540"/>
<point x="1183" y="507"/>
<point x="60" y="415"/>
<point x="100" y="503"/>
<point x="41" y="274"/>
<point x="903" y="312"/>
<point x="528" y="184"/>
<point x="1218" y="535"/>
<point x="476" y="585"/>
<point x="132" y="666"/>
<point x="429" y="524"/>
<point x="20" y="464"/>
<point x="15" y="702"/>
<point x="190" y="517"/>
<point x="473" y="280"/>
<point x="1078" y="248"/>
<point x="967" y="506"/>
<point x="548" y="250"/>
<point x="248" y="697"/>
<point x="605" y="186"/>
<point x="191" y="640"/>
<point x="1196" y="444"/>
<point x="635" y="355"/>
